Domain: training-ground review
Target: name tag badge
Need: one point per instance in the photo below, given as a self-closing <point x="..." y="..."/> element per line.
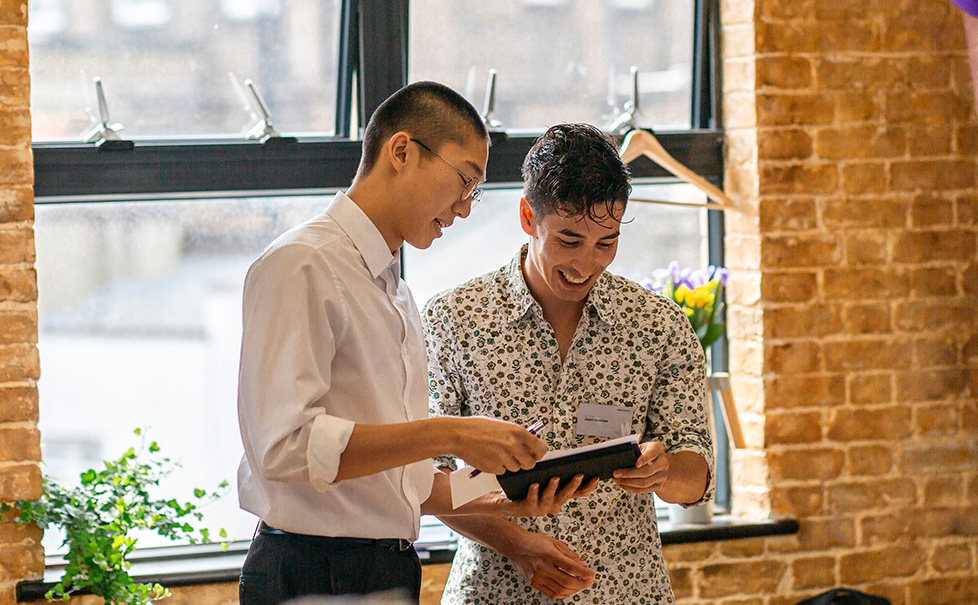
<point x="604" y="420"/>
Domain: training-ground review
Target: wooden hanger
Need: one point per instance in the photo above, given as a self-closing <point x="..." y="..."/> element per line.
<point x="643" y="143"/>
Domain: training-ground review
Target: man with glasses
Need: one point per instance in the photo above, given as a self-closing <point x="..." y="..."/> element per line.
<point x="554" y="336"/>
<point x="332" y="394"/>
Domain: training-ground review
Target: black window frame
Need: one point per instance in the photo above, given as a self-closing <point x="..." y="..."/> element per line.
<point x="373" y="63"/>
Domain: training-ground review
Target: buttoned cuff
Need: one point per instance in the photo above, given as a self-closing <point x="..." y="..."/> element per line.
<point x="327" y="441"/>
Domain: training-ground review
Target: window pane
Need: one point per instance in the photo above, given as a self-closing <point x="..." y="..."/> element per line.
<point x="652" y="236"/>
<point x="559" y="60"/>
<point x="176" y="67"/>
<point x="140" y="326"/>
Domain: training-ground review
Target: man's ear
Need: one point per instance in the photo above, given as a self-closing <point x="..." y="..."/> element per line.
<point x="527" y="220"/>
<point x="398" y="150"/>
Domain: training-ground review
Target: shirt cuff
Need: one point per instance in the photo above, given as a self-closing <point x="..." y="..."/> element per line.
<point x="327" y="441"/>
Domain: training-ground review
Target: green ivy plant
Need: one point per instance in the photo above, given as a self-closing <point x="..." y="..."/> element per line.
<point x="99" y="515"/>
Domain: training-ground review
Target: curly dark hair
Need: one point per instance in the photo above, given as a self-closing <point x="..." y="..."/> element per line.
<point x="575" y="169"/>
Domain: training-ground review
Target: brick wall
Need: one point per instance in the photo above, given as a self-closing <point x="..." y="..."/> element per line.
<point x="20" y="477"/>
<point x="851" y="146"/>
<point x="854" y="317"/>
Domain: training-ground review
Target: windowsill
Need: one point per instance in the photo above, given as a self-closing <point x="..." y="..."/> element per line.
<point x="208" y="564"/>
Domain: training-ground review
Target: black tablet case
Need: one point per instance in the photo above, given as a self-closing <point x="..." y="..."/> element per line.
<point x="595" y="463"/>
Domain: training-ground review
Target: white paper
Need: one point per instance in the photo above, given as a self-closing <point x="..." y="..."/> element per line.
<point x="587" y="448"/>
<point x="465" y="489"/>
<point x="603" y="420"/>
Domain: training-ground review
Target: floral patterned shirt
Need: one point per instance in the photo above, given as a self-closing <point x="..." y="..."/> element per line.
<point x="491" y="353"/>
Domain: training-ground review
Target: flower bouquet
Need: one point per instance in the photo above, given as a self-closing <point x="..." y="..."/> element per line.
<point x="698" y="292"/>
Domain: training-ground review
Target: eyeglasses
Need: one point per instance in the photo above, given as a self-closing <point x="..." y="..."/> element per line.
<point x="471" y="189"/>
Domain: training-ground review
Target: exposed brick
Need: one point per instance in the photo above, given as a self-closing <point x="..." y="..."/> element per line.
<point x="866" y="319"/>
<point x="928" y="246"/>
<point x="681" y="579"/>
<point x="783" y="252"/>
<point x="16" y="246"/>
<point x="813" y="572"/>
<point x="872" y="213"/>
<point x="855" y="497"/>
<point x="797" y="501"/>
<point x="21" y="561"/>
<point x="16" y="204"/>
<point x="787" y="214"/>
<point x="18" y="403"/>
<point x="931" y="315"/>
<point x="13" y="45"/>
<point x="931" y="385"/>
<point x="936" y="281"/>
<point x="789" y="286"/>
<point x="822" y="178"/>
<point x="793" y="357"/>
<point x="943" y="455"/>
<point x="18" y="285"/>
<point x="852" y="73"/>
<point x="868" y="354"/>
<point x="792" y="390"/>
<point x="865" y="247"/>
<point x="21" y="362"/>
<point x="925" y="106"/>
<point x="792" y="427"/>
<point x="740" y="549"/>
<point x="20" y="482"/>
<point x="18" y="326"/>
<point x="935" y="351"/>
<point x="945" y="591"/>
<point x="856" y="107"/>
<point x="951" y="557"/>
<point x="861" y="283"/>
<point x="827" y="533"/>
<point x="924" y="175"/>
<point x="798" y="321"/>
<point x="869" y="460"/>
<point x="784" y="72"/>
<point x="943" y="490"/>
<point x="724" y="579"/>
<point x="19" y="443"/>
<point x="870" y="424"/>
<point x="860" y="141"/>
<point x="18" y="166"/>
<point x="794" y="109"/>
<point x="863" y="177"/>
<point x="966" y="140"/>
<point x="818" y="464"/>
<point x="870" y="388"/>
<point x="893" y="526"/>
<point x="929" y="140"/>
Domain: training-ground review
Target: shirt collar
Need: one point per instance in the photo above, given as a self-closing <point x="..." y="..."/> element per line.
<point x="520" y="301"/>
<point x="364" y="234"/>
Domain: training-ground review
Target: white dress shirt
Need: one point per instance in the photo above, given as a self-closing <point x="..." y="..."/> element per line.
<point x="331" y="338"/>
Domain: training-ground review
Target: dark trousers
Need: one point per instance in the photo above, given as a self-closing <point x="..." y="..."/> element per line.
<point x="281" y="566"/>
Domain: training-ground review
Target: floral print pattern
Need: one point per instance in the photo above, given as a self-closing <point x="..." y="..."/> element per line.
<point x="491" y="353"/>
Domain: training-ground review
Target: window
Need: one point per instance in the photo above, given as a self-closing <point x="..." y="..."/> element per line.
<point x="141" y="253"/>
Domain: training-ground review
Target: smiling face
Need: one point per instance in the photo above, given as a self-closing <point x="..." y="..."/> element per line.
<point x="566" y="255"/>
<point x="439" y="185"/>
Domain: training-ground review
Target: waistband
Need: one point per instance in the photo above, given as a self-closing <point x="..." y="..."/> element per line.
<point x="339" y="543"/>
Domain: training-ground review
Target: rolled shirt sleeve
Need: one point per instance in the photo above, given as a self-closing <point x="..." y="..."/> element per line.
<point x="294" y="315"/>
<point x="681" y="398"/>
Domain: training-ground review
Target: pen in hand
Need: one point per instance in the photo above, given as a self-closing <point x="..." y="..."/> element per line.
<point x="533" y="429"/>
